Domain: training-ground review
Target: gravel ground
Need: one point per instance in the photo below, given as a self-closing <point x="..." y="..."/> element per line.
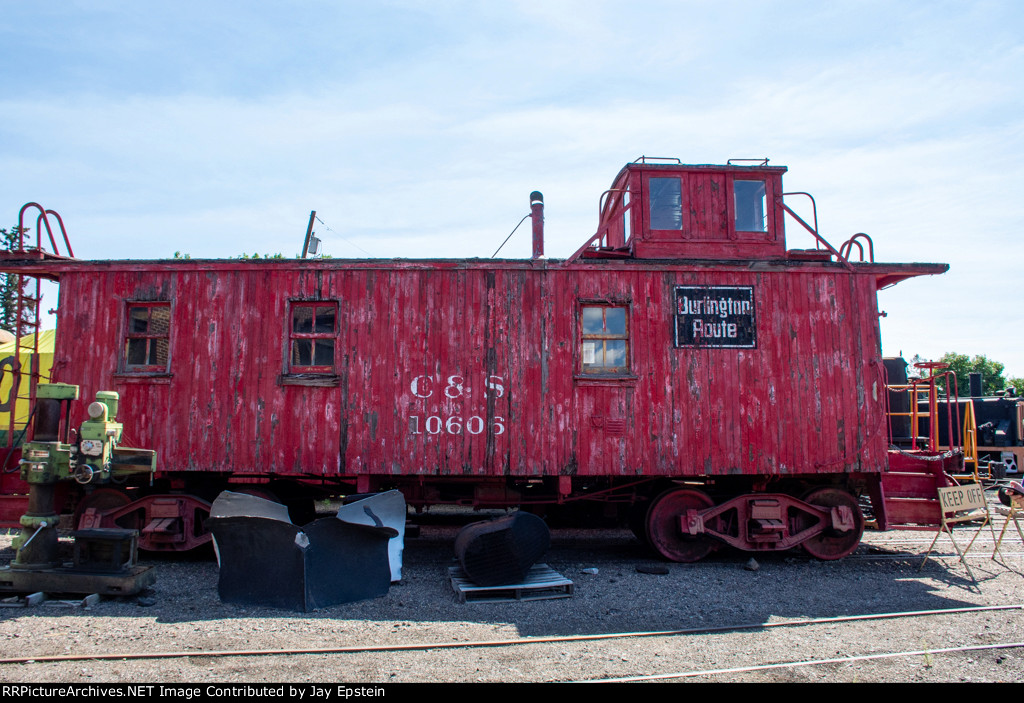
<point x="719" y="592"/>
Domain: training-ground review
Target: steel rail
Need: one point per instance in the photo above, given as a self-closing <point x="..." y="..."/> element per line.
<point x="808" y="662"/>
<point x="357" y="649"/>
<point x="918" y="555"/>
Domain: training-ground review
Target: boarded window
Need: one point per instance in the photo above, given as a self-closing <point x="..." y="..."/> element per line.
<point x="147" y="337"/>
<point x="605" y="339"/>
<point x="751" y="206"/>
<point x="313" y="333"/>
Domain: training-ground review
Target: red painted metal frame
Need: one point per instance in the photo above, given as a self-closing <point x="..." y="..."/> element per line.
<point x="778" y="516"/>
<point x="165" y="522"/>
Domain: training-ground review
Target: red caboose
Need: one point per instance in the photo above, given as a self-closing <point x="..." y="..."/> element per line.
<point x="683" y="364"/>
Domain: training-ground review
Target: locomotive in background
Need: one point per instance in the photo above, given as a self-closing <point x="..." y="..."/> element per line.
<point x="997" y="422"/>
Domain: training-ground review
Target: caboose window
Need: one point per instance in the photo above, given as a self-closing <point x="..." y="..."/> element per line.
<point x="147" y="337"/>
<point x="313" y="331"/>
<point x="751" y="206"/>
<point x="605" y="342"/>
<point x="666" y="203"/>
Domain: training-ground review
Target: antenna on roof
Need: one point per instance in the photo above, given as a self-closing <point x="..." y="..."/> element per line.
<point x="310" y="239"/>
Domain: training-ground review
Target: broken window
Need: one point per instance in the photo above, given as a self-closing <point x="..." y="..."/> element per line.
<point x="313" y="332"/>
<point x="751" y="206"/>
<point x="605" y="339"/>
<point x="666" y="203"/>
<point x="147" y="337"/>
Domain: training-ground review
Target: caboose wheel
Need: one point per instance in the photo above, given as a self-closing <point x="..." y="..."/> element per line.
<point x="103" y="499"/>
<point x="663" y="530"/>
<point x="832" y="544"/>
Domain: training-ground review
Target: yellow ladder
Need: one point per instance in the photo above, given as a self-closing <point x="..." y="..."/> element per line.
<point x="970" y="445"/>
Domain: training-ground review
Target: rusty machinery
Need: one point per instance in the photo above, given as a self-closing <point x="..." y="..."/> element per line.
<point x="104" y="558"/>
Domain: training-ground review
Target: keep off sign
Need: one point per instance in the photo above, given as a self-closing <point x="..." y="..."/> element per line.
<point x="961" y="498"/>
<point x="715" y="316"/>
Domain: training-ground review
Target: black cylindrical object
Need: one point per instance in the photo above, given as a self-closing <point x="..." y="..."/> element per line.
<point x="47" y="420"/>
<point x="899" y="400"/>
<point x="537" y="213"/>
<point x="39" y="544"/>
<point x="499" y="552"/>
<point x="974" y="379"/>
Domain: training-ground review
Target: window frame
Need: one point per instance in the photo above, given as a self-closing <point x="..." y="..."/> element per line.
<point x="769" y="234"/>
<point x="149" y="336"/>
<point x="764" y="204"/>
<point x="604" y="372"/>
<point x="673" y="232"/>
<point x="292" y="336"/>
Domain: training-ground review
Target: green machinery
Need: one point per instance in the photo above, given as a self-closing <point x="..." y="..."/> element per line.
<point x="104" y="558"/>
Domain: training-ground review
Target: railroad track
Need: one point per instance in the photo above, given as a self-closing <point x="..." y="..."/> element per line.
<point x="433" y="648"/>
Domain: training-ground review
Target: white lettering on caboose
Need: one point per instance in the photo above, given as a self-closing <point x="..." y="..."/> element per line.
<point x="715" y="316"/>
<point x="451" y="391"/>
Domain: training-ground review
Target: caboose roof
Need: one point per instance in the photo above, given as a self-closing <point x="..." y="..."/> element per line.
<point x="679" y="166"/>
<point x="706" y="235"/>
<point x="886" y="274"/>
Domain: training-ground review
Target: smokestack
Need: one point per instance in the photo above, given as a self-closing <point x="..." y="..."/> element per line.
<point x="974" y="378"/>
<point x="537" y="213"/>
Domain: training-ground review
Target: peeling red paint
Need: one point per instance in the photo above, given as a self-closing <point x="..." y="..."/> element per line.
<point x="442" y="372"/>
<point x="475" y="368"/>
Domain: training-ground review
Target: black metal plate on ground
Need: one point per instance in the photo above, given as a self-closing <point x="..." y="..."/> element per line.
<point x="260" y="563"/>
<point x="273" y="563"/>
<point x="346" y="562"/>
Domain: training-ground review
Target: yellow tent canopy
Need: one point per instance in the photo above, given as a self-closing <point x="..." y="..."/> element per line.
<point x="7" y="351"/>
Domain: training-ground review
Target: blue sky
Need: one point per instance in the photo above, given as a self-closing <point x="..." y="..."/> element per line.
<point x="419" y="129"/>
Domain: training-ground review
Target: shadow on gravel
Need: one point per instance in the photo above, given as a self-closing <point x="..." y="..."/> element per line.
<point x="718" y="591"/>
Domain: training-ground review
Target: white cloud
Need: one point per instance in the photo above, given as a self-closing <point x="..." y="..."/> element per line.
<point x="420" y="130"/>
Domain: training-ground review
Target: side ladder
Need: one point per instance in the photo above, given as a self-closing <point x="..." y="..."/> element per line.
<point x="23" y="366"/>
<point x="910" y="487"/>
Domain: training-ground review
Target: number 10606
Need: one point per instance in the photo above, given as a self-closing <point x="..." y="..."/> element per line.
<point x="453" y="424"/>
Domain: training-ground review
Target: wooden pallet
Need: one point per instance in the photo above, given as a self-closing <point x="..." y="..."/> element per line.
<point x="542" y="582"/>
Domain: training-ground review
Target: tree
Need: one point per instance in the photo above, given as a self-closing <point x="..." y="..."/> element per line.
<point x="1017" y="383"/>
<point x="10" y="283"/>
<point x="991" y="372"/>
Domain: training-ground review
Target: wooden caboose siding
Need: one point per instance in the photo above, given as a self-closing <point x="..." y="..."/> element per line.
<point x="496" y="347"/>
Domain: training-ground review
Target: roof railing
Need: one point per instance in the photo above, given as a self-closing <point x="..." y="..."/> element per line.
<point x="847" y="248"/>
<point x="43" y="220"/>
<point x="658" y="159"/>
<point x="814" y="230"/>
